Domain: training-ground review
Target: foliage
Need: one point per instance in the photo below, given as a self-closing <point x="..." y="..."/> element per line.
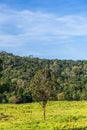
<point x="18" y="74"/>
<point x="42" y="87"/>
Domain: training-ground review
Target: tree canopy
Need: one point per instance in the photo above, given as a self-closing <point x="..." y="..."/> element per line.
<point x="42" y="88"/>
<point x="19" y="73"/>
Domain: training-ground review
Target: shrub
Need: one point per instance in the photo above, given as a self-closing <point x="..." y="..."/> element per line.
<point x="13" y="99"/>
<point x="61" y="96"/>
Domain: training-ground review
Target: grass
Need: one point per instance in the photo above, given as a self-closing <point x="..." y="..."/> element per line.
<point x="60" y="115"/>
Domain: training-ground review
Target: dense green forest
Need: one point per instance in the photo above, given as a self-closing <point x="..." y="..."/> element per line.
<point x="69" y="78"/>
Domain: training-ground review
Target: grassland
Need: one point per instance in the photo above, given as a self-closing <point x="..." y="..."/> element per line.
<point x="59" y="116"/>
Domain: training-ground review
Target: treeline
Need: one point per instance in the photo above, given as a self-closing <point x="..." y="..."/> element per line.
<point x="18" y="72"/>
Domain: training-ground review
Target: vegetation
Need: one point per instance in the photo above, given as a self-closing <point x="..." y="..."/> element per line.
<point x="19" y="74"/>
<point x="61" y="115"/>
<point x="42" y="87"/>
<point x="28" y="79"/>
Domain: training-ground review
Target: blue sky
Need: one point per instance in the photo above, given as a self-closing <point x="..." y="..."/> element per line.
<point x="44" y="28"/>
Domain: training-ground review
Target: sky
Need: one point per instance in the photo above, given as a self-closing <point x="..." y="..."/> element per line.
<point x="51" y="29"/>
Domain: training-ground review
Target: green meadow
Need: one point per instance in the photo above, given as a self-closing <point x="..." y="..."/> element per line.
<point x="60" y="115"/>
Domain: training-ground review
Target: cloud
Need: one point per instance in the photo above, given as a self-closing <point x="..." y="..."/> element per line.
<point x="21" y="28"/>
<point x="27" y="26"/>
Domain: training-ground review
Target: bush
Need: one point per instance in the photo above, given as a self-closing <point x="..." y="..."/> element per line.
<point x="13" y="99"/>
<point x="61" y="96"/>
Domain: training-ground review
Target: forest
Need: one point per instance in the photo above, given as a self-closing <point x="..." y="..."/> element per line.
<point x="67" y="78"/>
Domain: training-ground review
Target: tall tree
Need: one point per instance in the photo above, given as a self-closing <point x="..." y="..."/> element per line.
<point x="0" y="67"/>
<point x="42" y="87"/>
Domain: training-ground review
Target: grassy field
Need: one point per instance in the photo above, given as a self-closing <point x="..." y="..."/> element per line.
<point x="59" y="116"/>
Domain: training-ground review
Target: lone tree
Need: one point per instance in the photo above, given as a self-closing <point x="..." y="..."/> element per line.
<point x="42" y="88"/>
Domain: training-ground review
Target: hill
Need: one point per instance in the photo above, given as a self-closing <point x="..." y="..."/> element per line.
<point x="17" y="73"/>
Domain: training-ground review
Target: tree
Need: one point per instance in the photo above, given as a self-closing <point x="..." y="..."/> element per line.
<point x="0" y="67"/>
<point x="42" y="88"/>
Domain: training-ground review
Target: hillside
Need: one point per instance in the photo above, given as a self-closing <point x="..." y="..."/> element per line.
<point x="17" y="73"/>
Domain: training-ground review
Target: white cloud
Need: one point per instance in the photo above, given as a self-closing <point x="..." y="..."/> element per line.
<point x="23" y="27"/>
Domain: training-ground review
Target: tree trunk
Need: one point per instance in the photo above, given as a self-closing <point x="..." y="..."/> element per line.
<point x="44" y="113"/>
<point x="44" y="109"/>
